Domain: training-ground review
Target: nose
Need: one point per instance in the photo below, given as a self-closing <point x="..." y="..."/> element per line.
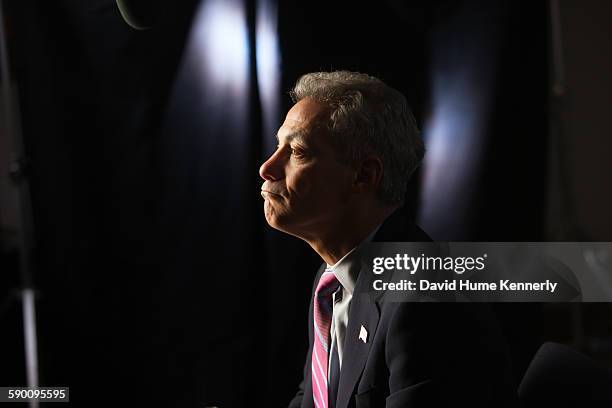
<point x="273" y="168"/>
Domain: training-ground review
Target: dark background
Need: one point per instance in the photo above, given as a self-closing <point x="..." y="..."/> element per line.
<point x="158" y="282"/>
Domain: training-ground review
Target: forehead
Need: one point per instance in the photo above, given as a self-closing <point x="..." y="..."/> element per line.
<point x="303" y="119"/>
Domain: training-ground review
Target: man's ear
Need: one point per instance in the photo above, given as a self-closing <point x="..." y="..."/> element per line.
<point x="369" y="173"/>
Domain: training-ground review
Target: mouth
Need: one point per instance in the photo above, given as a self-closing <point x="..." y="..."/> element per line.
<point x="269" y="194"/>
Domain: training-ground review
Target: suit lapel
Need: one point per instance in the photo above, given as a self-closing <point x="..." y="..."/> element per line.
<point x="363" y="312"/>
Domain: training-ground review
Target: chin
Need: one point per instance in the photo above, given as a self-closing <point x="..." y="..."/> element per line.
<point x="283" y="221"/>
<point x="282" y="224"/>
<point x="274" y="222"/>
<point x="272" y="217"/>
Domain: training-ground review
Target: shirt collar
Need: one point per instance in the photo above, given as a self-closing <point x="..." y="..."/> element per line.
<point x="347" y="268"/>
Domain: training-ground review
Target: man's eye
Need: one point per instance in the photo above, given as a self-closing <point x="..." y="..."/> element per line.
<point x="296" y="152"/>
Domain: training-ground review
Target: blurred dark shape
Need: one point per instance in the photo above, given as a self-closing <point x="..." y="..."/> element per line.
<point x="562" y="377"/>
<point x="140" y="14"/>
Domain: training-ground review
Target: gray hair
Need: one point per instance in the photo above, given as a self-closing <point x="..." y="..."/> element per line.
<point x="368" y="117"/>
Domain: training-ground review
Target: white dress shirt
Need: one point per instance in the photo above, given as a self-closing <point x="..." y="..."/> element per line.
<point x="346" y="271"/>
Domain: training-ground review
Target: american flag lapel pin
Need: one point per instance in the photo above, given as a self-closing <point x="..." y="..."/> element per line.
<point x="363" y="334"/>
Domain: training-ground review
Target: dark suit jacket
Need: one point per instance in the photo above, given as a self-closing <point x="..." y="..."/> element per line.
<point x="417" y="354"/>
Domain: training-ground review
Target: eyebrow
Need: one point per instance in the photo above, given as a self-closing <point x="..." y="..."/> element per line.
<point x="299" y="136"/>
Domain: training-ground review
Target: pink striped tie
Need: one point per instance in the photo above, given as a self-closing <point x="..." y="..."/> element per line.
<point x="323" y="309"/>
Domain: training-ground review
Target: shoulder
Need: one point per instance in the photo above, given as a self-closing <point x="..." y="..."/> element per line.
<point x="400" y="228"/>
<point x="448" y="342"/>
<point x="437" y="334"/>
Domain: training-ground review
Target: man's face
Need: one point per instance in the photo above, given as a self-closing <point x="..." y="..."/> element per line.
<point x="305" y="186"/>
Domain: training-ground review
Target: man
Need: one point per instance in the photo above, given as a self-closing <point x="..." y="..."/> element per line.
<point x="337" y="180"/>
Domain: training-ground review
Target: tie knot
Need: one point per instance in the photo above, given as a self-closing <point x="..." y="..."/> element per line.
<point x="328" y="284"/>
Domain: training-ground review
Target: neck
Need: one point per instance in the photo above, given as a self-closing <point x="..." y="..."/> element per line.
<point x="345" y="234"/>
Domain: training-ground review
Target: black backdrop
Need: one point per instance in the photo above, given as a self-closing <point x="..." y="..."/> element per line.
<point x="159" y="283"/>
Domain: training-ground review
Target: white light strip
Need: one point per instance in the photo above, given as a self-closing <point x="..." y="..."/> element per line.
<point x="268" y="69"/>
<point x="220" y="38"/>
<point x="30" y="340"/>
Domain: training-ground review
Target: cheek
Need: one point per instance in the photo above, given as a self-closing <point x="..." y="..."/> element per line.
<point x="300" y="185"/>
<point x="322" y="186"/>
<point x="320" y="181"/>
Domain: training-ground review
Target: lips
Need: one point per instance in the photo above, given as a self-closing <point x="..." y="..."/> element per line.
<point x="268" y="192"/>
